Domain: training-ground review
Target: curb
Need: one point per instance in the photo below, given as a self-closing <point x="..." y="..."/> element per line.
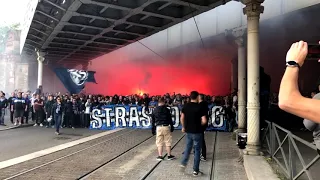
<point x="16" y="127"/>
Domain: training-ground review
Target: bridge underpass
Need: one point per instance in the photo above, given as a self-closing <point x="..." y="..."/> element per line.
<point x="69" y="47"/>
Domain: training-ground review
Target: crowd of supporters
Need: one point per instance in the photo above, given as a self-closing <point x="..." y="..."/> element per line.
<point x="76" y="108"/>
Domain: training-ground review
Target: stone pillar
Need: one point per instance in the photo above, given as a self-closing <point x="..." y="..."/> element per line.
<point x="234" y="77"/>
<point x="253" y="9"/>
<point x="242" y="80"/>
<point x="40" y="66"/>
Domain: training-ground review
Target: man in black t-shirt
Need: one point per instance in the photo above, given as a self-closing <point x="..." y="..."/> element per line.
<point x="193" y="120"/>
<point x="18" y="107"/>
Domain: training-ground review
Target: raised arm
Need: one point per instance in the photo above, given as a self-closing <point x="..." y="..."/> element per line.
<point x="290" y="99"/>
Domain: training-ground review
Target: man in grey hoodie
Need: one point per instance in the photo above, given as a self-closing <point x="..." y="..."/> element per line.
<point x="314" y="127"/>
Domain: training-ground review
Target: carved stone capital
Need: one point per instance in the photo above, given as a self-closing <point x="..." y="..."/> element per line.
<point x="253" y="8"/>
<point x="40" y="55"/>
<point x="238" y="34"/>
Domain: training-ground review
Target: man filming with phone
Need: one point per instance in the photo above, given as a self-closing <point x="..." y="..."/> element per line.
<point x="290" y="98"/>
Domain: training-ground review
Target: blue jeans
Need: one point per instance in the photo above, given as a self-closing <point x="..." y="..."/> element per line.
<point x="2" y="113"/>
<point x="193" y="140"/>
<point x="57" y="119"/>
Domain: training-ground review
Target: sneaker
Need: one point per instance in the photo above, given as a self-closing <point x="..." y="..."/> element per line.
<point x="20" y="123"/>
<point x="196" y="173"/>
<point x="35" y="125"/>
<point x="171" y="157"/>
<point x="182" y="167"/>
<point x="203" y="159"/>
<point x="41" y="125"/>
<point x="73" y="128"/>
<point x="57" y="133"/>
<point x="15" y="123"/>
<point x="159" y="158"/>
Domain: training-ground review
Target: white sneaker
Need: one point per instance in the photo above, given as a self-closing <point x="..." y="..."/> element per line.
<point x="41" y="125"/>
<point x="15" y="124"/>
<point x="19" y="123"/>
<point x="35" y="125"/>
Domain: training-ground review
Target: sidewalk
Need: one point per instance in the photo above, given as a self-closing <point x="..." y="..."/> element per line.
<point x="223" y="167"/>
<point x="9" y="125"/>
<point x="226" y="165"/>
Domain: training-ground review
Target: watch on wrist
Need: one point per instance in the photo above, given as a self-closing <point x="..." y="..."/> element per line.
<point x="292" y="64"/>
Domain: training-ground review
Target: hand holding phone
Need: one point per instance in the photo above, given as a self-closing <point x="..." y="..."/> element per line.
<point x="314" y="51"/>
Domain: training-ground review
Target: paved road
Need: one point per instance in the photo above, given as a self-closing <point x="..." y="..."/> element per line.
<point x="22" y="141"/>
<point x="126" y="155"/>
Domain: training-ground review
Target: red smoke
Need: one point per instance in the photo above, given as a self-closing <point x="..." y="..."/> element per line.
<point x="206" y="71"/>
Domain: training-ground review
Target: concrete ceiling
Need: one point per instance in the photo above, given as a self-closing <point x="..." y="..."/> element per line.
<point x="76" y="31"/>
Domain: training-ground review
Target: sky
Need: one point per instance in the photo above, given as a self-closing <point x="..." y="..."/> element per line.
<point x="12" y="11"/>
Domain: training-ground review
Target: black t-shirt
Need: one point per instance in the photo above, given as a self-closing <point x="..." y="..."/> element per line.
<point x="192" y="117"/>
<point x="205" y="110"/>
<point x="19" y="104"/>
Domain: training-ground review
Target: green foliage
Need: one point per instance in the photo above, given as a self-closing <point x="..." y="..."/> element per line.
<point x="4" y="35"/>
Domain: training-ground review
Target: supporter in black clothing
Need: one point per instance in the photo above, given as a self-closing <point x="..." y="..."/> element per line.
<point x="57" y="111"/>
<point x="18" y="107"/>
<point x="48" y="110"/>
<point x="3" y="106"/>
<point x="38" y="109"/>
<point x="10" y="101"/>
<point x="162" y="126"/>
<point x="205" y="109"/>
<point x="192" y="120"/>
<point x="145" y="101"/>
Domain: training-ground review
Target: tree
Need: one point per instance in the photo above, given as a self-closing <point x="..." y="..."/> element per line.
<point x="4" y="30"/>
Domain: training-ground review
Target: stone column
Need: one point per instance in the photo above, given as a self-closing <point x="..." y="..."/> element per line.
<point x="252" y="10"/>
<point x="234" y="77"/>
<point x="40" y="66"/>
<point x="242" y="80"/>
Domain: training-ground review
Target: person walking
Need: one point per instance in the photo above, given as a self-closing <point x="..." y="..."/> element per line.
<point x="162" y="127"/>
<point x="193" y="120"/>
<point x="56" y="112"/>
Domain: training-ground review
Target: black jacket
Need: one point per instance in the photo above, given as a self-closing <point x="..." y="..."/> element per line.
<point x="161" y="116"/>
<point x="54" y="107"/>
<point x="204" y="107"/>
<point x="3" y="103"/>
<point x="48" y="106"/>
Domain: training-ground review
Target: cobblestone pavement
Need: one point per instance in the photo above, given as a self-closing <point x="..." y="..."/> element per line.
<point x="78" y="164"/>
<point x="134" y="164"/>
<point x="169" y="170"/>
<point x="226" y="166"/>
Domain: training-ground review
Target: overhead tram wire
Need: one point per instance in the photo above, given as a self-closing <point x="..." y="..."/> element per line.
<point x="202" y="42"/>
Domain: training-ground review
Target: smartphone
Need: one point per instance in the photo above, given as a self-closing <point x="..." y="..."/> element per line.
<point x="313" y="51"/>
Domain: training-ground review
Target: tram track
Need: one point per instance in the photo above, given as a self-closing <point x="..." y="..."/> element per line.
<point x="134" y="138"/>
<point x="84" y="168"/>
<point x="125" y="160"/>
<point x="172" y="170"/>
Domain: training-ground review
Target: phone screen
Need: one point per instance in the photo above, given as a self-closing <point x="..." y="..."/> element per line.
<point x="314" y="51"/>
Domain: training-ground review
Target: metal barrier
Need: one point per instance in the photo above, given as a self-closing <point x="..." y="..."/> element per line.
<point x="297" y="162"/>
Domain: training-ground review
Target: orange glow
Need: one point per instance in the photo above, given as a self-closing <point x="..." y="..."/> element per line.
<point x="192" y="69"/>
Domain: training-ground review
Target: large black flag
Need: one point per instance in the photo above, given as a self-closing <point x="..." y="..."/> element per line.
<point x="74" y="80"/>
